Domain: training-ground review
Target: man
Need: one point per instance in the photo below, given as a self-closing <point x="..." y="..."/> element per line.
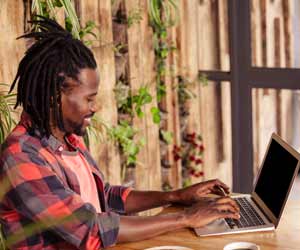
<point x="52" y="181"/>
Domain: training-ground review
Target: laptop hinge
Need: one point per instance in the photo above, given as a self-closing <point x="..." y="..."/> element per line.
<point x="261" y="210"/>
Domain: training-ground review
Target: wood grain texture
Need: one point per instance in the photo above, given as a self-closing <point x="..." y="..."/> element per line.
<point x="141" y="73"/>
<point x="11" y="50"/>
<point x="170" y="106"/>
<point x="285" y="237"/>
<point x="188" y="63"/>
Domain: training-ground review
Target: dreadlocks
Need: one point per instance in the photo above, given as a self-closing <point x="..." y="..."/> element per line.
<point x="42" y="71"/>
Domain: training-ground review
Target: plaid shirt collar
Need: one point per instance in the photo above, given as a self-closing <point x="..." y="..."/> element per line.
<point x="51" y="141"/>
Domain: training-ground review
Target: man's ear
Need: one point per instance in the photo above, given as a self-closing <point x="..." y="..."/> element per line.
<point x="68" y="84"/>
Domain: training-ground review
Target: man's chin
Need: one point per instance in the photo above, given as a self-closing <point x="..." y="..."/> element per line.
<point x="80" y="132"/>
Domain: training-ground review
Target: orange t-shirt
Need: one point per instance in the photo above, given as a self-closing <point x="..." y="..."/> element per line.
<point x="88" y="189"/>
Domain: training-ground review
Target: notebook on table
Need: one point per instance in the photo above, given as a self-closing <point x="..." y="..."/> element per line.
<point x="261" y="210"/>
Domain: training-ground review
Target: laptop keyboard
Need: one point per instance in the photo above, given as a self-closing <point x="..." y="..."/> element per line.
<point x="249" y="217"/>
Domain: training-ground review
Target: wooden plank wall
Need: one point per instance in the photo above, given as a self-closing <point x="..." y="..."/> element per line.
<point x="171" y="105"/>
<point x="141" y="73"/>
<point x="201" y="39"/>
<point x="11" y="50"/>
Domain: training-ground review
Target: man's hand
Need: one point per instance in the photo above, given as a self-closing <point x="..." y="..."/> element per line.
<point x="208" y="210"/>
<point x="196" y="192"/>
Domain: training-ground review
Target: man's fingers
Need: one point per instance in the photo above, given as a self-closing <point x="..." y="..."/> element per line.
<point x="204" y="191"/>
<point x="228" y="214"/>
<point x="218" y="190"/>
<point x="227" y="211"/>
<point x="222" y="185"/>
<point x="218" y="187"/>
<point x="226" y="207"/>
<point x="227" y="200"/>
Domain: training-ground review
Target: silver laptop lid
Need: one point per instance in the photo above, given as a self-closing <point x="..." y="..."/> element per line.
<point x="275" y="179"/>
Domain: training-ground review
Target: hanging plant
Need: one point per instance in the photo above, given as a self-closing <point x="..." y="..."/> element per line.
<point x="133" y="104"/>
<point x="48" y="8"/>
<point x="163" y="14"/>
<point x="134" y="16"/>
<point x="122" y="134"/>
<point x="190" y="152"/>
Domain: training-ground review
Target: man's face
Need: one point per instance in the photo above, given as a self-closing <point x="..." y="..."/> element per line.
<point x="78" y="101"/>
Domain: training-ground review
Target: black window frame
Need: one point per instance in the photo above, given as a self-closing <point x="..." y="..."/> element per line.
<point x="243" y="77"/>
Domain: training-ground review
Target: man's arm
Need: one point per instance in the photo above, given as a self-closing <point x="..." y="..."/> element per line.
<point x="142" y="200"/>
<point x="134" y="228"/>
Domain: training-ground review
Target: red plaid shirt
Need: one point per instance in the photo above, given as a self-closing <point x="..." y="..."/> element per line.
<point x="37" y="188"/>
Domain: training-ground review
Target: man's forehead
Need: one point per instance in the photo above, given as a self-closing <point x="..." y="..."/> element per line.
<point x="88" y="74"/>
<point x="85" y="79"/>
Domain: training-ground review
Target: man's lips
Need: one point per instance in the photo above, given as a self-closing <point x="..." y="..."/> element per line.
<point x="88" y="119"/>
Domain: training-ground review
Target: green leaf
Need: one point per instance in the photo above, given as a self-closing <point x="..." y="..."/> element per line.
<point x="68" y="24"/>
<point x="57" y="3"/>
<point x="134" y="16"/>
<point x="203" y="79"/>
<point x="163" y="34"/>
<point x="139" y="112"/>
<point x="155" y="115"/>
<point x="161" y="91"/>
<point x="88" y="30"/>
<point x="142" y="142"/>
<point x="187" y="182"/>
<point x="167" y="136"/>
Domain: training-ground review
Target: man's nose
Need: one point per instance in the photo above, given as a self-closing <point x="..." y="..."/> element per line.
<point x="94" y="107"/>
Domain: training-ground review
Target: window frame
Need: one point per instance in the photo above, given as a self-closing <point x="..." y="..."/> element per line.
<point x="243" y="77"/>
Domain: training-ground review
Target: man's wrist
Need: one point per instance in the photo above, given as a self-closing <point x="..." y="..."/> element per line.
<point x="172" y="196"/>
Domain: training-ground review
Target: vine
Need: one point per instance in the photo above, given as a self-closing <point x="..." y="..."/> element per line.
<point x="134" y="16"/>
<point x="163" y="14"/>
<point x="128" y="103"/>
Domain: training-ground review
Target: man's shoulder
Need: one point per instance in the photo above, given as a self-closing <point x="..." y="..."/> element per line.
<point x="20" y="141"/>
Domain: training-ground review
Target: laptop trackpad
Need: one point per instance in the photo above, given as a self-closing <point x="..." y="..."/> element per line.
<point x="216" y="226"/>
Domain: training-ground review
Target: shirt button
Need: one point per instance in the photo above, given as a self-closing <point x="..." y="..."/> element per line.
<point x="60" y="148"/>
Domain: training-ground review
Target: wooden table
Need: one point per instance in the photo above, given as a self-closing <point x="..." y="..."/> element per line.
<point x="285" y="237"/>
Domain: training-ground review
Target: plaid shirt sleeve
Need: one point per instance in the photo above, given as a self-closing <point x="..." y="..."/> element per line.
<point x="39" y="195"/>
<point x="116" y="197"/>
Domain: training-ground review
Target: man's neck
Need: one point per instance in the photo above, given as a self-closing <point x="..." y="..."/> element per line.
<point x="58" y="134"/>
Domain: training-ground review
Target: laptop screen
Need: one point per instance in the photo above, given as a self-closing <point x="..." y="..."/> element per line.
<point x="275" y="178"/>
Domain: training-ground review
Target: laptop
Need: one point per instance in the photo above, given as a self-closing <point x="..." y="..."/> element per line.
<point x="261" y="210"/>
